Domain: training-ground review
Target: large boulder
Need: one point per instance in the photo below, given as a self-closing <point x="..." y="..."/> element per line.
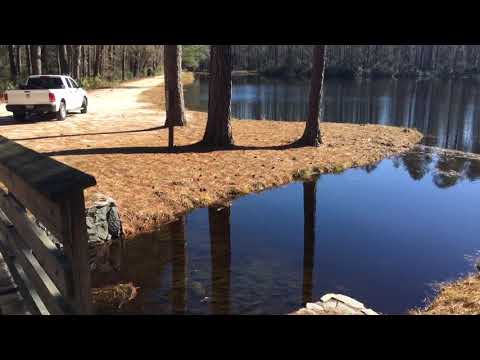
<point x="104" y="228"/>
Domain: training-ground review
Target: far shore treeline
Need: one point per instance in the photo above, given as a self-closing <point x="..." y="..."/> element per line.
<point x="101" y="65"/>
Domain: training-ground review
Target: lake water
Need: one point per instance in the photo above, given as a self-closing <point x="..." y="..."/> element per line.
<point x="383" y="234"/>
<point x="447" y="112"/>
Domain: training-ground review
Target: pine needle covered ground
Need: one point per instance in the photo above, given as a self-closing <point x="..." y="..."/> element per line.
<point x="121" y="142"/>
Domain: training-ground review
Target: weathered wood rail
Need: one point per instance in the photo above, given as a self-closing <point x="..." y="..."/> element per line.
<point x="43" y="235"/>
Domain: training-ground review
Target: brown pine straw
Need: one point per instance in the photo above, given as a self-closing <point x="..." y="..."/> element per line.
<point x="113" y="297"/>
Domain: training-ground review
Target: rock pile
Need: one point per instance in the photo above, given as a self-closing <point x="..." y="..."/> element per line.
<point x="335" y="304"/>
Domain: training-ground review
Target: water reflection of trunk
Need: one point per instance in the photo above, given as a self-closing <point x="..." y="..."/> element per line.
<point x="219" y="221"/>
<point x="413" y="102"/>
<point x="179" y="265"/>
<point x="309" y="209"/>
<point x="450" y="95"/>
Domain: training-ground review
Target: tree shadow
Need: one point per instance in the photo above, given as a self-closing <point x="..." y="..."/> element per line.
<point x="91" y="134"/>
<point x="184" y="149"/>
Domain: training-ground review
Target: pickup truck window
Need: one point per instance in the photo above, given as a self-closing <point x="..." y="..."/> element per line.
<point x="44" y="83"/>
<point x="75" y="85"/>
<point x="69" y="83"/>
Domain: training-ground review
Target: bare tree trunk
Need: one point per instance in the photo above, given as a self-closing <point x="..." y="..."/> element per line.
<point x="124" y="53"/>
<point x="29" y="59"/>
<point x="89" y="58"/>
<point x="44" y="58"/>
<point x="70" y="58"/>
<point x="18" y="54"/>
<point x="219" y="130"/>
<point x="84" y="62"/>
<point x="36" y="58"/>
<point x="113" y="61"/>
<point x="312" y="136"/>
<point x="173" y="86"/>
<point x="63" y="55"/>
<point x="76" y="63"/>
<point x="97" y="69"/>
<point x="13" y="64"/>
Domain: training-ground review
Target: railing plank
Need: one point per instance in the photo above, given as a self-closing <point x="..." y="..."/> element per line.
<point x="43" y="285"/>
<point x="48" y="176"/>
<point x="44" y="209"/>
<point x="76" y="249"/>
<point x="39" y="182"/>
<point x="52" y="259"/>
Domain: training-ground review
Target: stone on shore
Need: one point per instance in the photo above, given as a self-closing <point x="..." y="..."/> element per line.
<point x="335" y="304"/>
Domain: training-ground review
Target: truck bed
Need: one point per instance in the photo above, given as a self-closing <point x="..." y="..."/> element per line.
<point x="28" y="97"/>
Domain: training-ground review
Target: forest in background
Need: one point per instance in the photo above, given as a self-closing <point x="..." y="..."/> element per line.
<point x="369" y="61"/>
<point x="101" y="65"/>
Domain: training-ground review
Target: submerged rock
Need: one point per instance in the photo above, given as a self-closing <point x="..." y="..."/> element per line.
<point x="335" y="304"/>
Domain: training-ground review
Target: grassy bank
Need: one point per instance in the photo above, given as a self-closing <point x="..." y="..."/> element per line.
<point x="461" y="297"/>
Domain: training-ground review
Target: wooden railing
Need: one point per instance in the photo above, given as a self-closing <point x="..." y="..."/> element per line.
<point x="43" y="235"/>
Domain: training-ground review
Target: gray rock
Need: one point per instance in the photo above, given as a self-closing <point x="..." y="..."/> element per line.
<point x="104" y="227"/>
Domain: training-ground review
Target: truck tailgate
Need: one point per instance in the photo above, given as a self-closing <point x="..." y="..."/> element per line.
<point x="28" y="97"/>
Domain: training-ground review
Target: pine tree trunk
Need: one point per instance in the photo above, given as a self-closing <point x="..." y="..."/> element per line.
<point x="44" y="58"/>
<point x="62" y="52"/>
<point x="113" y="61"/>
<point x="84" y="62"/>
<point x="219" y="131"/>
<point x="174" y="102"/>
<point x="97" y="69"/>
<point x="18" y="54"/>
<point x="124" y="52"/>
<point x="29" y="59"/>
<point x="76" y="63"/>
<point x="13" y="65"/>
<point x="312" y="136"/>
<point x="36" y="58"/>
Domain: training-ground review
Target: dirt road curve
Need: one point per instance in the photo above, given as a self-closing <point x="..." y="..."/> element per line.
<point x="108" y="110"/>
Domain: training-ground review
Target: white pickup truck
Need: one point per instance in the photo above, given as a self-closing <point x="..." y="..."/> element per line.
<point x="43" y="94"/>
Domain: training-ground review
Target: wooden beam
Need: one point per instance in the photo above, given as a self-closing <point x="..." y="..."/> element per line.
<point x="48" y="176"/>
<point x="45" y="288"/>
<point x="76" y="248"/>
<point x="52" y="259"/>
<point x="39" y="182"/>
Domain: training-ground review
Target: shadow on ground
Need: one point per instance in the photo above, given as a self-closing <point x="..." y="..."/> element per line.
<point x="194" y="148"/>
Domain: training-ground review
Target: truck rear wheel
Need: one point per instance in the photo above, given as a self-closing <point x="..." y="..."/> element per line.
<point x="62" y="112"/>
<point x="83" y="110"/>
<point x="19" y="116"/>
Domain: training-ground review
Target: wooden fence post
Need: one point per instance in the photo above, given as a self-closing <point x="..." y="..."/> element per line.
<point x="76" y="248"/>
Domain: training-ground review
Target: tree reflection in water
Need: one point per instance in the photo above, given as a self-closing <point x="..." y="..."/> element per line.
<point x="179" y="265"/>
<point x="219" y="222"/>
<point x="309" y="210"/>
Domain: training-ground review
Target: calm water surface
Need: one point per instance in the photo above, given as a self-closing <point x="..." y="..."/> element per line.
<point x="381" y="234"/>
<point x="447" y="112"/>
